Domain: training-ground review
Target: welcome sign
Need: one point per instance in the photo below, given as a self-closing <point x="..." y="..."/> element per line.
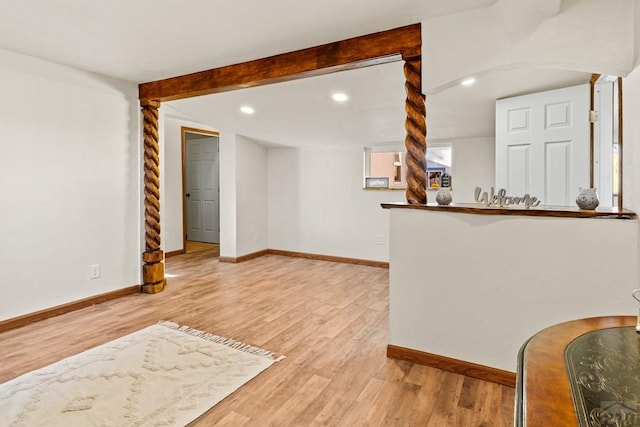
<point x="501" y="199"/>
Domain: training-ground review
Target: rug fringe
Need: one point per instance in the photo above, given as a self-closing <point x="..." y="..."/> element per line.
<point x="222" y="340"/>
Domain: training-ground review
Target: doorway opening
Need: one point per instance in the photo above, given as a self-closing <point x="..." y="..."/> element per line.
<point x="200" y="190"/>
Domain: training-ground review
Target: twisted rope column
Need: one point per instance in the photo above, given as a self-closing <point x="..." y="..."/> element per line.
<point x="416" y="126"/>
<point x="153" y="268"/>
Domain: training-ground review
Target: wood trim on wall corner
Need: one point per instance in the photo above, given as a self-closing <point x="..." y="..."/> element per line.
<point x="449" y="364"/>
<point x="242" y="258"/>
<point x="620" y="146"/>
<point x="331" y="258"/>
<point x="27" y="319"/>
<point x="174" y="253"/>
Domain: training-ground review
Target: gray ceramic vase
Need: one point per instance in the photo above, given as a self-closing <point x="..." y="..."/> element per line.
<point x="587" y="199"/>
<point x="443" y="196"/>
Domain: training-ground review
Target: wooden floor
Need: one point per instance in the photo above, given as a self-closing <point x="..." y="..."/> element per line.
<point x="192" y="246"/>
<point x="330" y="320"/>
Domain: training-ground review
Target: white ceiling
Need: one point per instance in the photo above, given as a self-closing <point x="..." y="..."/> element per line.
<point x="145" y="40"/>
<point x="302" y="113"/>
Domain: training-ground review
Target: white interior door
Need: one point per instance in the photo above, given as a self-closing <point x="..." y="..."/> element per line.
<point x="542" y="145"/>
<point x="203" y="207"/>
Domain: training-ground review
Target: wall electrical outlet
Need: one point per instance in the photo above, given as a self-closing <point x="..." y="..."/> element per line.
<point x="380" y="239"/>
<point x="94" y="271"/>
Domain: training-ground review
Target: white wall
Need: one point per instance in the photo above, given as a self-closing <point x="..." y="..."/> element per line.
<point x="171" y="190"/>
<point x="304" y="187"/>
<point x="243" y="196"/>
<point x="631" y="140"/>
<point x="473" y="164"/>
<point x="69" y="184"/>
<point x="631" y="129"/>
<point x="228" y="195"/>
<point x="251" y="211"/>
<point x="476" y="287"/>
<point x="636" y="33"/>
<point x="587" y="35"/>
<point x="317" y="204"/>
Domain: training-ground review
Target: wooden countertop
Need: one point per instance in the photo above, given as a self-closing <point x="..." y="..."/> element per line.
<point x="540" y="211"/>
<point x="543" y="391"/>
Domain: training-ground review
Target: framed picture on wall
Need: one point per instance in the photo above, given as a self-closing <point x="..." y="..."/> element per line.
<point x="434" y="177"/>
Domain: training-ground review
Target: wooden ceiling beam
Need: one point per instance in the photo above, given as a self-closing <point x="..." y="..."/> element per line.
<point x="373" y="49"/>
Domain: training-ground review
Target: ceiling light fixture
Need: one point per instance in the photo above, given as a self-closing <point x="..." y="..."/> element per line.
<point x="247" y="110"/>
<point x="468" y="82"/>
<point x="340" y="97"/>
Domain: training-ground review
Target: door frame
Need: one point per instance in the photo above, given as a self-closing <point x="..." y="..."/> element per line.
<point x="183" y="131"/>
<point x="595" y="128"/>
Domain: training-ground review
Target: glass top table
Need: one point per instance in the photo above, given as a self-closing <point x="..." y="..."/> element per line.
<point x="580" y="373"/>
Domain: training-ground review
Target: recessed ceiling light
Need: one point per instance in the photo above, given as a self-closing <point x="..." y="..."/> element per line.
<point x="468" y="82"/>
<point x="247" y="110"/>
<point x="340" y="97"/>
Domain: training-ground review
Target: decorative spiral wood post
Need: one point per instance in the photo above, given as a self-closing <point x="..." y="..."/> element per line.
<point x="416" y="126"/>
<point x="153" y="268"/>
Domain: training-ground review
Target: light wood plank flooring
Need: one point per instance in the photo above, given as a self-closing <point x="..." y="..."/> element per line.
<point x="330" y="320"/>
<point x="202" y="246"/>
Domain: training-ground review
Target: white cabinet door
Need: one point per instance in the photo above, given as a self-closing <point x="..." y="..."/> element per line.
<point x="542" y="144"/>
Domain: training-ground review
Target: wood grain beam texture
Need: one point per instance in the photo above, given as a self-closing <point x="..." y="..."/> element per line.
<point x="416" y="126"/>
<point x="404" y="43"/>
<point x="153" y="268"/>
<point x="358" y="52"/>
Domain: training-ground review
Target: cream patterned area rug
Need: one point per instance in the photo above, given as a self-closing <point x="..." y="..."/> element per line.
<point x="163" y="375"/>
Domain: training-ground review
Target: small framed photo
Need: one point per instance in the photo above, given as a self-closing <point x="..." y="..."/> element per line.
<point x="434" y="178"/>
<point x="376" y="182"/>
